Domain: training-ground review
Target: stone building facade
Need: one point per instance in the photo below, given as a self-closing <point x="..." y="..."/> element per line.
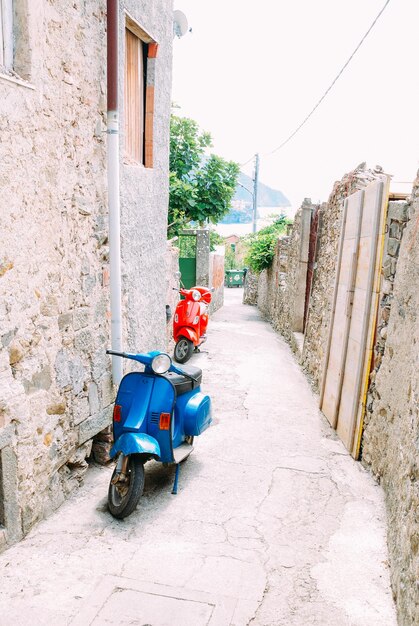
<point x="391" y="427"/>
<point x="55" y="382"/>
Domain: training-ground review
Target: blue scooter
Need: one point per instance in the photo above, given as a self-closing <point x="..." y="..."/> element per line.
<point x="157" y="414"/>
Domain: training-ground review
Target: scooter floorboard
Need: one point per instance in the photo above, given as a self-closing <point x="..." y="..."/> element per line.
<point x="182" y="452"/>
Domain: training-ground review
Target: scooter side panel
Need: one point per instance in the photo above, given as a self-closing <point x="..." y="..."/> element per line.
<point x="136" y="443"/>
<point x="133" y="396"/>
<point x="196" y="410"/>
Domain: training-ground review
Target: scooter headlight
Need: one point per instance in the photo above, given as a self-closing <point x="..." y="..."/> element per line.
<point x="196" y="295"/>
<point x="161" y="363"/>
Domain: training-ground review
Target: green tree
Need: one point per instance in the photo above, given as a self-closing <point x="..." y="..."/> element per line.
<point x="200" y="188"/>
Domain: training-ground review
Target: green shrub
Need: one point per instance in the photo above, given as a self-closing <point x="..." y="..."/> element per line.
<point x="261" y="245"/>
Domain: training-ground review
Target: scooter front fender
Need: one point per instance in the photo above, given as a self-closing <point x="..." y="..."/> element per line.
<point x="189" y="333"/>
<point x="136" y="443"/>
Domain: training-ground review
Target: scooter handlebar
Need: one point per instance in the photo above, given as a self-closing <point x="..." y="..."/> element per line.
<point x="125" y="355"/>
<point x="115" y="353"/>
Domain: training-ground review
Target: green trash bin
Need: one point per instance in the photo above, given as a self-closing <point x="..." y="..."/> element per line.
<point x="234" y="278"/>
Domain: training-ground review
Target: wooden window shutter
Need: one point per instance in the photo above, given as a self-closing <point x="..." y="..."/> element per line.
<point x="134" y="97"/>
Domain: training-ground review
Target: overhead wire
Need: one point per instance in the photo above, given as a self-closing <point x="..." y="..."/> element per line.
<point x="329" y="88"/>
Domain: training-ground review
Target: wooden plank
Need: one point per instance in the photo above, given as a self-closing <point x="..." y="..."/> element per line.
<point x="360" y="322"/>
<point x="341" y="311"/>
<point x="398" y="195"/>
<point x="375" y="299"/>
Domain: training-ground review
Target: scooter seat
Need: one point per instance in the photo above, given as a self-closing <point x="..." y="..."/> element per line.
<point x="183" y="384"/>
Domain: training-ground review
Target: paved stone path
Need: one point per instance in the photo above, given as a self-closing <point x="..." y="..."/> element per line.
<point x="274" y="524"/>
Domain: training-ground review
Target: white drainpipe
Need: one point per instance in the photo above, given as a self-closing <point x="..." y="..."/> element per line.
<point x="113" y="190"/>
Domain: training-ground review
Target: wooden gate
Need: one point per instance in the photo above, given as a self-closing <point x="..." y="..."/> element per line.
<point x="354" y="312"/>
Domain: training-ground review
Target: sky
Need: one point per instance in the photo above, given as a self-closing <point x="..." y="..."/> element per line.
<point x="250" y="72"/>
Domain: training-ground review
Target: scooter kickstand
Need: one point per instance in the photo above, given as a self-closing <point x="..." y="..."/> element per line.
<point x="174" y="490"/>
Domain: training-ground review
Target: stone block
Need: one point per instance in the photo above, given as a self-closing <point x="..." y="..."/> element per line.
<point x="393" y="247"/>
<point x="88" y="284"/>
<point x="81" y="318"/>
<point x="81" y="410"/>
<point x="40" y="380"/>
<point x="56" y="408"/>
<point x="10" y="489"/>
<point x="396" y="230"/>
<point x="386" y="287"/>
<point x="16" y="353"/>
<point x="83" y="341"/>
<point x="90" y="427"/>
<point x="93" y="398"/>
<point x="7" y="338"/>
<point x="69" y="371"/>
<point x="6" y="436"/>
<point x="387" y="268"/>
<point x="107" y="392"/>
<point x="65" y="321"/>
<point x="397" y="211"/>
<point x="101" y="363"/>
<point x="49" y="307"/>
<point x="78" y="458"/>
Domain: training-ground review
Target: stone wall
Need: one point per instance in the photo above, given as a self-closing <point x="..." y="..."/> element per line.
<point x="391" y="437"/>
<point x="271" y="281"/>
<point x="55" y="383"/>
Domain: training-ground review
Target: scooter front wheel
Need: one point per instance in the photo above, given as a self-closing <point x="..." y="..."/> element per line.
<point x="183" y="350"/>
<point x="123" y="496"/>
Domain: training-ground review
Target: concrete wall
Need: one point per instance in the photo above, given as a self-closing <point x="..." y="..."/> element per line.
<point x="55" y="383"/>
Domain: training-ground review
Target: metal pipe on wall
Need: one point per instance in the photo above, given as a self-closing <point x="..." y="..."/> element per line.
<point x="113" y="186"/>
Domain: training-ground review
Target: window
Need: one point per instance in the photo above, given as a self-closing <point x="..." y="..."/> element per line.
<point x="6" y="35"/>
<point x="140" y="55"/>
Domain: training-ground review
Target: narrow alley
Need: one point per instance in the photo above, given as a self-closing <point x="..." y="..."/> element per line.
<point x="274" y="523"/>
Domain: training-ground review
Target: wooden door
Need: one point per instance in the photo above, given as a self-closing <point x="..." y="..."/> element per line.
<point x="354" y="312"/>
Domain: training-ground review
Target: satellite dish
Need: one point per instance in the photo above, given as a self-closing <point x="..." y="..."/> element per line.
<point x="180" y="23"/>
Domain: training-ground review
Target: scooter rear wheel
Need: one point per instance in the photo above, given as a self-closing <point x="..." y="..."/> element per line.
<point x="183" y="350"/>
<point x="124" y="497"/>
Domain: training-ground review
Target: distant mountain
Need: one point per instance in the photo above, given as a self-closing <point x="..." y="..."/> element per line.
<point x="242" y="203"/>
<point x="266" y="195"/>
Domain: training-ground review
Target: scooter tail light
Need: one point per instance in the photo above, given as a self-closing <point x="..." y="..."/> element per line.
<point x="117" y="413"/>
<point x="176" y="318"/>
<point x="164" y="421"/>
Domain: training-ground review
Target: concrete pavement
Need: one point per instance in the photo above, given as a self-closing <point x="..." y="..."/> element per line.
<point x="274" y="523"/>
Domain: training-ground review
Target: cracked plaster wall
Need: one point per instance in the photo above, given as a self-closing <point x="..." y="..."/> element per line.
<point x="55" y="383"/>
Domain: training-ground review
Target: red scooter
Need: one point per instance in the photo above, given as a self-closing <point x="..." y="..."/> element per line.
<point x="190" y="322"/>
